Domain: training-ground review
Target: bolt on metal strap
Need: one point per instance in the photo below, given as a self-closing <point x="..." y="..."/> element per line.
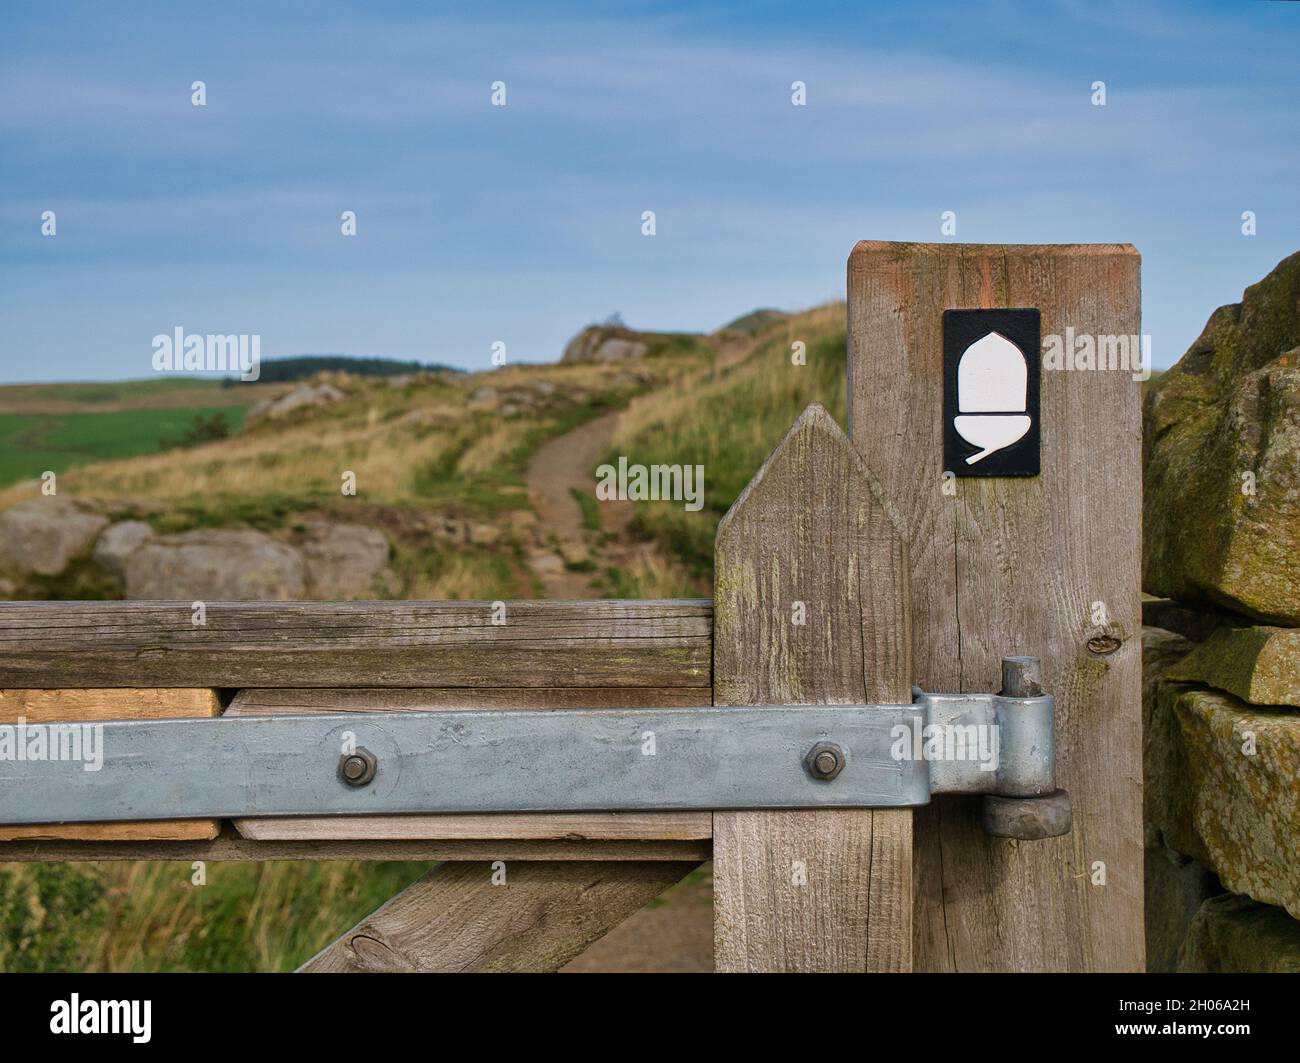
<point x="816" y="756"/>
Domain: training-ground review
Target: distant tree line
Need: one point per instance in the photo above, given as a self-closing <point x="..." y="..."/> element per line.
<point x="277" y="370"/>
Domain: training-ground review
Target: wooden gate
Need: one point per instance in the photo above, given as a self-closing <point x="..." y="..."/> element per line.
<point x="846" y="572"/>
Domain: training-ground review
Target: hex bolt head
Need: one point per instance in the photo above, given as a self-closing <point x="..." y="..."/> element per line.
<point x="358" y="768"/>
<point x="825" y="761"/>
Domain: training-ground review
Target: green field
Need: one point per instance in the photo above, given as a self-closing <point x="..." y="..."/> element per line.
<point x="32" y="443"/>
<point x="101" y="391"/>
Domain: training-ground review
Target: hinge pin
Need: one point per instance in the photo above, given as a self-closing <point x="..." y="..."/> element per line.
<point x="1022" y="677"/>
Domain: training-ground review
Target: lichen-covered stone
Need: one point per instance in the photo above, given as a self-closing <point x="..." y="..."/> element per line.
<point x="42" y="535"/>
<point x="1176" y="887"/>
<point x="215" y="565"/>
<point x="119" y="541"/>
<point x="343" y="560"/>
<point x="1237" y="935"/>
<point x="1166" y="798"/>
<point x="1243" y="786"/>
<point x="1257" y="664"/>
<point x="1221" y="506"/>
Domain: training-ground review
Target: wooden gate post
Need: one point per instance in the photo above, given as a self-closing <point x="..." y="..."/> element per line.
<point x="810" y="587"/>
<point x="1045" y="565"/>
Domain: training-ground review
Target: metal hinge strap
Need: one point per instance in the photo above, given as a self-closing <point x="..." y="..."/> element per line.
<point x="656" y="759"/>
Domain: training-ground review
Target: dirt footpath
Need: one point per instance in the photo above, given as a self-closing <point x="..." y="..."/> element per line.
<point x="560" y="464"/>
<point x="671" y="935"/>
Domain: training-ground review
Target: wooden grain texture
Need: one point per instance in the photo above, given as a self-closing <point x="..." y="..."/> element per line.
<point x="812" y="528"/>
<point x="1013" y="566"/>
<point x="50" y="706"/>
<point x="356" y="644"/>
<point x="595" y="826"/>
<point x="228" y="845"/>
<point x="457" y="919"/>
<point x="533" y="826"/>
<point x="270" y="700"/>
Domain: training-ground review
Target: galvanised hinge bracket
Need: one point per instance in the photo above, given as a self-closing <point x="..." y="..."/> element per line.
<point x="808" y="756"/>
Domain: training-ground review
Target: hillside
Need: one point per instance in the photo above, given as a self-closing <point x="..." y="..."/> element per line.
<point x="424" y="485"/>
<point x="730" y="420"/>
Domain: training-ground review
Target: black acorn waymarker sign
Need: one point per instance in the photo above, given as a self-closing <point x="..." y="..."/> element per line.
<point x="991" y="371"/>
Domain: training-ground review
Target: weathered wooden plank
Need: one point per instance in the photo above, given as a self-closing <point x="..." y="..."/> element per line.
<point x="461" y="917"/>
<point x="50" y="706"/>
<point x="537" y="826"/>
<point x="230" y="846"/>
<point x="595" y="826"/>
<point x="356" y="644"/>
<point x="811" y="890"/>
<point x="1018" y="566"/>
<point x="271" y="700"/>
<point x="114" y="703"/>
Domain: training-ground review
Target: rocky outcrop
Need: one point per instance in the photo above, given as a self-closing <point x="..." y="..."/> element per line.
<point x="1220" y="778"/>
<point x="301" y="397"/>
<point x="1237" y="935"/>
<point x="530" y="396"/>
<point x="1221" y="699"/>
<point x="1222" y="453"/>
<point x="1257" y="664"/>
<point x="119" y="541"/>
<point x="1244" y="763"/>
<point x="344" y="560"/>
<point x="605" y="343"/>
<point x="215" y="565"/>
<point x="1221" y="800"/>
<point x="42" y="535"/>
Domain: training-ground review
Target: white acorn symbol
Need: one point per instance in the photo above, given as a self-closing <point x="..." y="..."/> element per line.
<point x="992" y="379"/>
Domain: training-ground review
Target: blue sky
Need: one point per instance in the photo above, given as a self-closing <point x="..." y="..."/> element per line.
<point x="523" y="223"/>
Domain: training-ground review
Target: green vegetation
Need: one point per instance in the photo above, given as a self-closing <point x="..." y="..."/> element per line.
<point x="48" y="909"/>
<point x="152" y="917"/>
<point x="676" y="344"/>
<point x="32" y="443"/>
<point x="730" y="423"/>
<point x="1151" y="384"/>
<point x="204" y="430"/>
<point x="278" y="370"/>
<point x="589" y="506"/>
<point x="111" y="391"/>
<point x="755" y="321"/>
